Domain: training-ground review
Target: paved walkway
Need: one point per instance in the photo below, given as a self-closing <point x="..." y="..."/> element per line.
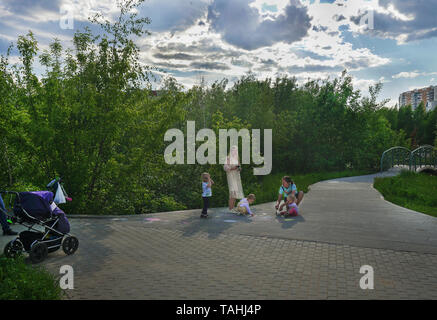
<point x="344" y="224"/>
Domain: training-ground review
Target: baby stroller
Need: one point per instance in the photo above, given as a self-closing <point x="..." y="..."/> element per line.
<point x="38" y="208"/>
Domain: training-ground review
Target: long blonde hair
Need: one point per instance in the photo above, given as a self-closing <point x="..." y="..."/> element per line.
<point x="233" y="156"/>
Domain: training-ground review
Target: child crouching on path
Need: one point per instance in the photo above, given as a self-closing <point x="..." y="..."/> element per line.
<point x="207" y="183"/>
<point x="291" y="208"/>
<point x="243" y="205"/>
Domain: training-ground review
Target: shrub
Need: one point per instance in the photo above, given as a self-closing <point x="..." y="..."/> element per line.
<point x="21" y="281"/>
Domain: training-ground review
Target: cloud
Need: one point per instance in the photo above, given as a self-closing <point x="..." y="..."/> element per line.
<point x="175" y="56"/>
<point x="402" y="20"/>
<point x="167" y="65"/>
<point x="241" y="63"/>
<point x="227" y="38"/>
<point x="31" y="7"/>
<point x="242" y="26"/>
<point x="363" y="84"/>
<point x="170" y="15"/>
<point x="310" y="54"/>
<point x="412" y="74"/>
<point x="320" y="28"/>
<point x="314" y="68"/>
<point x="339" y="17"/>
<point x="209" y="65"/>
<point x="266" y="64"/>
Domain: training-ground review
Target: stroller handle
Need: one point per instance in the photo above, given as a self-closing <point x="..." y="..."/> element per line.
<point x="9" y="192"/>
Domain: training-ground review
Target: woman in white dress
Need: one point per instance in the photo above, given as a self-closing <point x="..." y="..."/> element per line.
<point x="233" y="168"/>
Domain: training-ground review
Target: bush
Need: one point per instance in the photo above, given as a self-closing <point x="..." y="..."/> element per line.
<point x="166" y="203"/>
<point x="21" y="281"/>
<point x="23" y="187"/>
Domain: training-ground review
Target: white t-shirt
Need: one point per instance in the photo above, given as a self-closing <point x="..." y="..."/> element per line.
<point x="206" y="191"/>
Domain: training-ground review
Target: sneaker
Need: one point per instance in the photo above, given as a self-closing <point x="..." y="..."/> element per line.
<point x="204" y="215"/>
<point x="9" y="232"/>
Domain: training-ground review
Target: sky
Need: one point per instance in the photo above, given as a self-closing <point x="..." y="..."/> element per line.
<point x="388" y="41"/>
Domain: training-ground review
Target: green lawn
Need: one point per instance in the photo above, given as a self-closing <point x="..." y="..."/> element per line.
<point x="415" y="191"/>
<point x="267" y="189"/>
<point x="22" y="281"/>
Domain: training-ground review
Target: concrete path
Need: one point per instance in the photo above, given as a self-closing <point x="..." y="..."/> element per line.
<point x="343" y="225"/>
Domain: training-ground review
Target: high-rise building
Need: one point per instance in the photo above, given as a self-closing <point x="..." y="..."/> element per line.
<point x="428" y="95"/>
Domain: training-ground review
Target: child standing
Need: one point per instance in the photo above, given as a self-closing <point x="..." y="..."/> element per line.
<point x="207" y="183"/>
<point x="243" y="205"/>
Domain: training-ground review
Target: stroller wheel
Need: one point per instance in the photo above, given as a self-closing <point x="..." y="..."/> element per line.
<point x="70" y="245"/>
<point x="38" y="252"/>
<point x="13" y="249"/>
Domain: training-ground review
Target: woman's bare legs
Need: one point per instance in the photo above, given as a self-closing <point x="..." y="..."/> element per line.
<point x="299" y="197"/>
<point x="231" y="203"/>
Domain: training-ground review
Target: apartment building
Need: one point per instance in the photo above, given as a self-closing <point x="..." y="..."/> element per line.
<point x="414" y="97"/>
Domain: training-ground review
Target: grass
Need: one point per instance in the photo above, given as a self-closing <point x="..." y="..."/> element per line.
<point x="415" y="191"/>
<point x="267" y="189"/>
<point x="21" y="281"/>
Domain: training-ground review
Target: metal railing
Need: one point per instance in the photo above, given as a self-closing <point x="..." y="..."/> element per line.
<point x="424" y="156"/>
<point x="395" y="156"/>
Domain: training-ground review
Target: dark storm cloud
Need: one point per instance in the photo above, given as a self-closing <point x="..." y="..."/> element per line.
<point x="242" y="26"/>
<point x="423" y="25"/>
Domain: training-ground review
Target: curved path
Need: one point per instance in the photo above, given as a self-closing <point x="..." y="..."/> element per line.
<point x="344" y="224"/>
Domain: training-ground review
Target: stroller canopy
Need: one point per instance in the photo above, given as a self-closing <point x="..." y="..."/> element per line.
<point x="37" y="203"/>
